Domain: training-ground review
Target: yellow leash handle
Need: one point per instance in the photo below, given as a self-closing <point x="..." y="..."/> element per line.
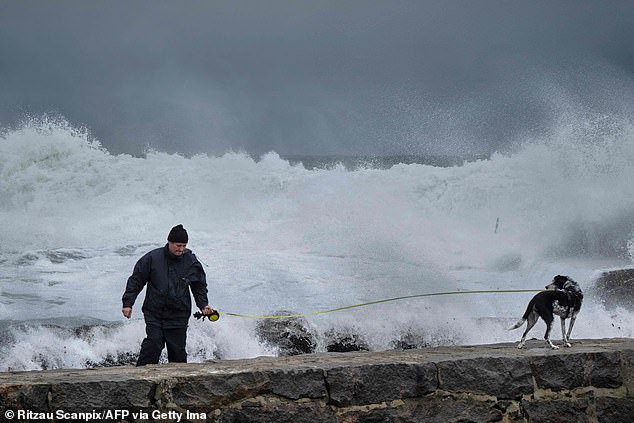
<point x="332" y="310"/>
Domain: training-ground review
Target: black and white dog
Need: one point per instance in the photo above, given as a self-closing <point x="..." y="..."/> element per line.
<point x="562" y="298"/>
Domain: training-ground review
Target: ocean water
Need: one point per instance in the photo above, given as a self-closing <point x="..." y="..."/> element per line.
<point x="303" y="235"/>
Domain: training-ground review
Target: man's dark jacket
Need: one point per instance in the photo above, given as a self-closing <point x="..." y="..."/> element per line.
<point x="169" y="279"/>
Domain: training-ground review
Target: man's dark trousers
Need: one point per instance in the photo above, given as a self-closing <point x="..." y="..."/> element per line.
<point x="157" y="338"/>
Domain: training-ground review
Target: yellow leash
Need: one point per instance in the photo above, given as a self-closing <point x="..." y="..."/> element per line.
<point x="332" y="310"/>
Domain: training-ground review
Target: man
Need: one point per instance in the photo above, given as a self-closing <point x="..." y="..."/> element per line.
<point x="170" y="273"/>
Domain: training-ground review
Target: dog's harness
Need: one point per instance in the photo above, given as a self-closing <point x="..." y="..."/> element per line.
<point x="574" y="295"/>
<point x="570" y="305"/>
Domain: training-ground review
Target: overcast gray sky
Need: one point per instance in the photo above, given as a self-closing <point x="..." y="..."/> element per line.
<point x="316" y="76"/>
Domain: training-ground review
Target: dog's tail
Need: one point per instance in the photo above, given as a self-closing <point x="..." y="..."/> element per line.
<point x="521" y="321"/>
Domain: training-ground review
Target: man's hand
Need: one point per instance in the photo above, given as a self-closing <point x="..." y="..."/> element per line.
<point x="207" y="311"/>
<point x="127" y="312"/>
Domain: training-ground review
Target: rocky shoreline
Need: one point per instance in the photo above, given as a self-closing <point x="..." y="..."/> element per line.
<point x="592" y="381"/>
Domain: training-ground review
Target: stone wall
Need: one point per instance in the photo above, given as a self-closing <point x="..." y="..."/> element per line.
<point x="593" y="381"/>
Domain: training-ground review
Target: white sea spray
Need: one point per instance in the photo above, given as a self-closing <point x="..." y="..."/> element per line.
<point x="277" y="236"/>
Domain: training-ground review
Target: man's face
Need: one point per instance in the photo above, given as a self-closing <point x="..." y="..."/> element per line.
<point x="176" y="248"/>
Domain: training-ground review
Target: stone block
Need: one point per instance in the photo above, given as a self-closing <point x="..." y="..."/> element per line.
<point x="373" y="384"/>
<point x="501" y="377"/>
<point x="88" y="396"/>
<point x="432" y="409"/>
<point x="32" y="397"/>
<point x="296" y="384"/>
<point x="208" y="392"/>
<point x="559" y="372"/>
<point x="203" y="391"/>
<point x="554" y="411"/>
<point x="615" y="410"/>
<point x="604" y="370"/>
<point x="267" y="411"/>
<point x="478" y="384"/>
<point x="448" y="409"/>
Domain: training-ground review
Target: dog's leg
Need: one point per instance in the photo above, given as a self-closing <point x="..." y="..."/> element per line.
<point x="549" y="326"/>
<point x="530" y="322"/>
<point x="563" y="333"/>
<point x="572" y="323"/>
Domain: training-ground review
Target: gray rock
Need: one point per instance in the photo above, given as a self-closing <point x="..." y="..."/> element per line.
<point x="615" y="410"/>
<point x="448" y="409"/>
<point x="559" y="372"/>
<point x="345" y="340"/>
<point x="268" y="411"/>
<point x="410" y="339"/>
<point x="25" y="396"/>
<point x="372" y="384"/>
<point x="501" y="377"/>
<point x="94" y="395"/>
<point x="430" y="409"/>
<point x="557" y="411"/>
<point x="203" y="392"/>
<point x="604" y="370"/>
<point x="292" y="336"/>
<point x="616" y="288"/>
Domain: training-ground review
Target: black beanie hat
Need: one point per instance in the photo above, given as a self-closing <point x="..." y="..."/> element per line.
<point x="178" y="234"/>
